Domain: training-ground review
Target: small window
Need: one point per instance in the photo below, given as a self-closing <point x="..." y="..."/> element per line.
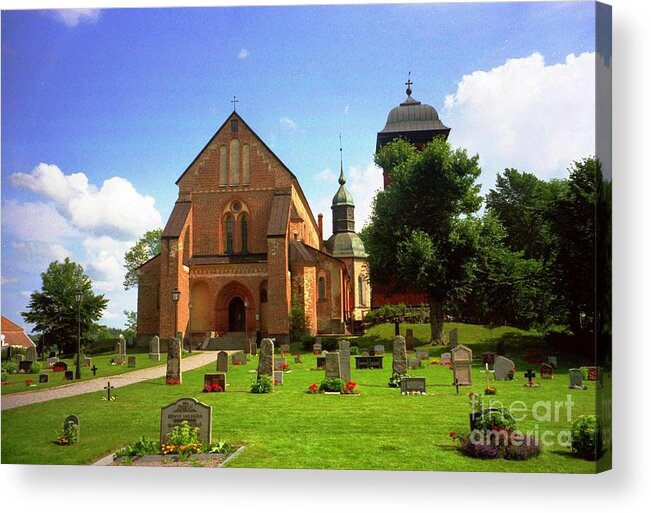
<point x="360" y="291"/>
<point x="234" y="125"/>
<point x="263" y="296"/>
<point x="229" y="235"/>
<point x="322" y="289"/>
<point x="245" y="233"/>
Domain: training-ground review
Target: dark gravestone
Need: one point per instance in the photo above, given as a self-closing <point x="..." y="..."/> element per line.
<point x="52" y="354"/>
<point x="344" y="360"/>
<point x="266" y="359"/>
<point x="73" y="420"/>
<point x="60" y="367"/>
<point x="210" y="380"/>
<point x="409" y="339"/>
<point x="132" y="362"/>
<point x="222" y="361"/>
<point x="68" y="375"/>
<point x="24" y="366"/>
<point x="412" y="385"/>
<point x="254" y="348"/>
<point x="43" y="378"/>
<point x="546" y="371"/>
<point x="320" y="362"/>
<point x="399" y="356"/>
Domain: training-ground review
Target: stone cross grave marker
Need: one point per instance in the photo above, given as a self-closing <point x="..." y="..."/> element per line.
<point x="132" y="362"/>
<point x="332" y="368"/>
<point x="94" y="370"/>
<point x="453" y="339"/>
<point x="399" y="355"/>
<point x="108" y="389"/>
<point x="503" y="368"/>
<point x="186" y="409"/>
<point x="344" y="360"/>
<point x="74" y="421"/>
<point x="222" y="361"/>
<point x="266" y="359"/>
<point x="154" y="349"/>
<point x="462" y="365"/>
<point x="174" y="374"/>
<point x="31" y="354"/>
<point x="409" y="339"/>
<point x="412" y="385"/>
<point x="530" y="374"/>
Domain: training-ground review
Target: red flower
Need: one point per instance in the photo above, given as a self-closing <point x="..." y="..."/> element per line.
<point x="216" y="387"/>
<point x="285" y="366"/>
<point x="453" y="434"/>
<point x="28" y="382"/>
<point x="207" y="388"/>
<point x="350" y="385"/>
<point x="313" y="386"/>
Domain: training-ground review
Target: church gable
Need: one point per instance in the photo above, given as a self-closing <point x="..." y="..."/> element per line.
<point x="234" y="158"/>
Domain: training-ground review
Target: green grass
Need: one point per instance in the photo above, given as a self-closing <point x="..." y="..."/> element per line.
<point x="101" y="361"/>
<point x="379" y="429"/>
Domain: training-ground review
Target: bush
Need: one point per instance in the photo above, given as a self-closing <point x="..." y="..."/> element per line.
<point x="263" y="385"/>
<point x="354" y="350"/>
<point x="140" y="448"/>
<point x="11" y="367"/>
<point x="586" y="437"/>
<point x="528" y="448"/>
<point x="296" y="322"/>
<point x="183" y="440"/>
<point x="493" y="419"/>
<point x="398" y="313"/>
<point x="4" y="377"/>
<point x="35" y="368"/>
<point x="328" y="344"/>
<point x="307" y="342"/>
<point x="332" y="385"/>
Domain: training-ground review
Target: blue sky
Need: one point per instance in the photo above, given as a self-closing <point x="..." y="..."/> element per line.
<point x="102" y="110"/>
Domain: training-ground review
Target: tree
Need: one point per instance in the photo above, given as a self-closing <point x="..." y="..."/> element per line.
<point x="147" y="247"/>
<point x="131" y="325"/>
<point x="53" y="311"/>
<point x="422" y="233"/>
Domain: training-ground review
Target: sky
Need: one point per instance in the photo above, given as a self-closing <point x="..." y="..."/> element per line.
<point x="102" y="110"/>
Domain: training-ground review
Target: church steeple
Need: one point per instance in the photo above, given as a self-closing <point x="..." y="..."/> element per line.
<point x="343" y="208"/>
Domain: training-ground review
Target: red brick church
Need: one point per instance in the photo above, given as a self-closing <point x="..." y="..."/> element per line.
<point x="242" y="246"/>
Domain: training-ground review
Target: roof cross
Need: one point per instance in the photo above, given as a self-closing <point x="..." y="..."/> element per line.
<point x="409" y="83"/>
<point x="234" y="101"/>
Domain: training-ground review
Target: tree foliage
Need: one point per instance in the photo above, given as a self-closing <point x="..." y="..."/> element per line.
<point x="147" y="247"/>
<point x="53" y="310"/>
<point x="422" y="233"/>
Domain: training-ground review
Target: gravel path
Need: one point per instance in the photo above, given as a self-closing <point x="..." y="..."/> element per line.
<point x="96" y="385"/>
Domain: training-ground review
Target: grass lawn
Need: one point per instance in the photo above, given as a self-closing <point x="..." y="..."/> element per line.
<point x="379" y="429"/>
<point x="101" y="361"/>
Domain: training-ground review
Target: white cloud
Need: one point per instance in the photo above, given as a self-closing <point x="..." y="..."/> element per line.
<point x="116" y="208"/>
<point x="36" y="256"/>
<point x="288" y="123"/>
<point x="73" y="17"/>
<point x="25" y="221"/>
<point x="26" y="293"/>
<point x="346" y="109"/>
<point x="243" y="53"/>
<point x="8" y="281"/>
<point x="106" y="261"/>
<point x="325" y="176"/>
<point x="526" y="114"/>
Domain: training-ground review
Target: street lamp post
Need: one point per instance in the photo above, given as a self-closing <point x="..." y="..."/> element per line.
<point x="176" y="295"/>
<point x="190" y="327"/>
<point x="78" y="297"/>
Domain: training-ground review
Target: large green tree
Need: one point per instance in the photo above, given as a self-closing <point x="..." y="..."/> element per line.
<point x="147" y="247"/>
<point x="53" y="310"/>
<point x="422" y="233"/>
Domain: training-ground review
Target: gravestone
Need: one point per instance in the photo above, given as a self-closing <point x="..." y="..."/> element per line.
<point x="239" y="358"/>
<point x="284" y="348"/>
<point x="344" y="360"/>
<point x="503" y="368"/>
<point x="74" y="421"/>
<point x="446" y="358"/>
<point x="246" y="346"/>
<point x="371" y="350"/>
<point x="174" y="374"/>
<point x="31" y="355"/>
<point x="364" y="353"/>
<point x="88" y="362"/>
<point x="453" y="339"/>
<point x="118" y="347"/>
<point x="279" y="362"/>
<point x="24" y="365"/>
<point x="132" y="362"/>
<point x="52" y="360"/>
<point x="546" y="371"/>
<point x="120" y="360"/>
<point x="215" y="379"/>
<point x="423" y="355"/>
<point x="123" y="344"/>
<point x="576" y="379"/>
<point x="399" y="355"/>
<point x="462" y="365"/>
<point x="222" y="361"/>
<point x="414" y="363"/>
<point x="409" y="339"/>
<point x="266" y="360"/>
<point x="412" y="385"/>
<point x="320" y="362"/>
<point x="316" y="348"/>
<point x="43" y="378"/>
<point x="189" y="409"/>
<point x="254" y="348"/>
<point x="68" y="375"/>
<point x="279" y="377"/>
<point x="332" y="368"/>
<point x="379" y="349"/>
<point x="154" y="349"/>
<point x="60" y="367"/>
<point x="553" y="361"/>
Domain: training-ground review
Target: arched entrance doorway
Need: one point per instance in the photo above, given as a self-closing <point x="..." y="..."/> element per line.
<point x="236" y="315"/>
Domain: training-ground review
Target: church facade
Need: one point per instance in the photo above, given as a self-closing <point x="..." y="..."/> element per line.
<point x="242" y="247"/>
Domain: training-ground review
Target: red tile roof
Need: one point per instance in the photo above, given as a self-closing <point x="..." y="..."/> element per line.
<point x="14" y="335"/>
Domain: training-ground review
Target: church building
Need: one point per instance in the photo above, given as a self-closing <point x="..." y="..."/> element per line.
<point x="242" y="247"/>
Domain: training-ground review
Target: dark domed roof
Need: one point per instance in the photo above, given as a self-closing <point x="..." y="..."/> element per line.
<point x="346" y="245"/>
<point x="412" y="115"/>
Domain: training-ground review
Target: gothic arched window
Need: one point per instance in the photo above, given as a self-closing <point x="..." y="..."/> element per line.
<point x="360" y="291"/>
<point x="229" y="235"/>
<point x="245" y="233"/>
<point x="235" y="162"/>
<point x="322" y="288"/>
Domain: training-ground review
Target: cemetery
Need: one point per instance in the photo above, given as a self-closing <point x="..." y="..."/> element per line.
<point x="332" y="417"/>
